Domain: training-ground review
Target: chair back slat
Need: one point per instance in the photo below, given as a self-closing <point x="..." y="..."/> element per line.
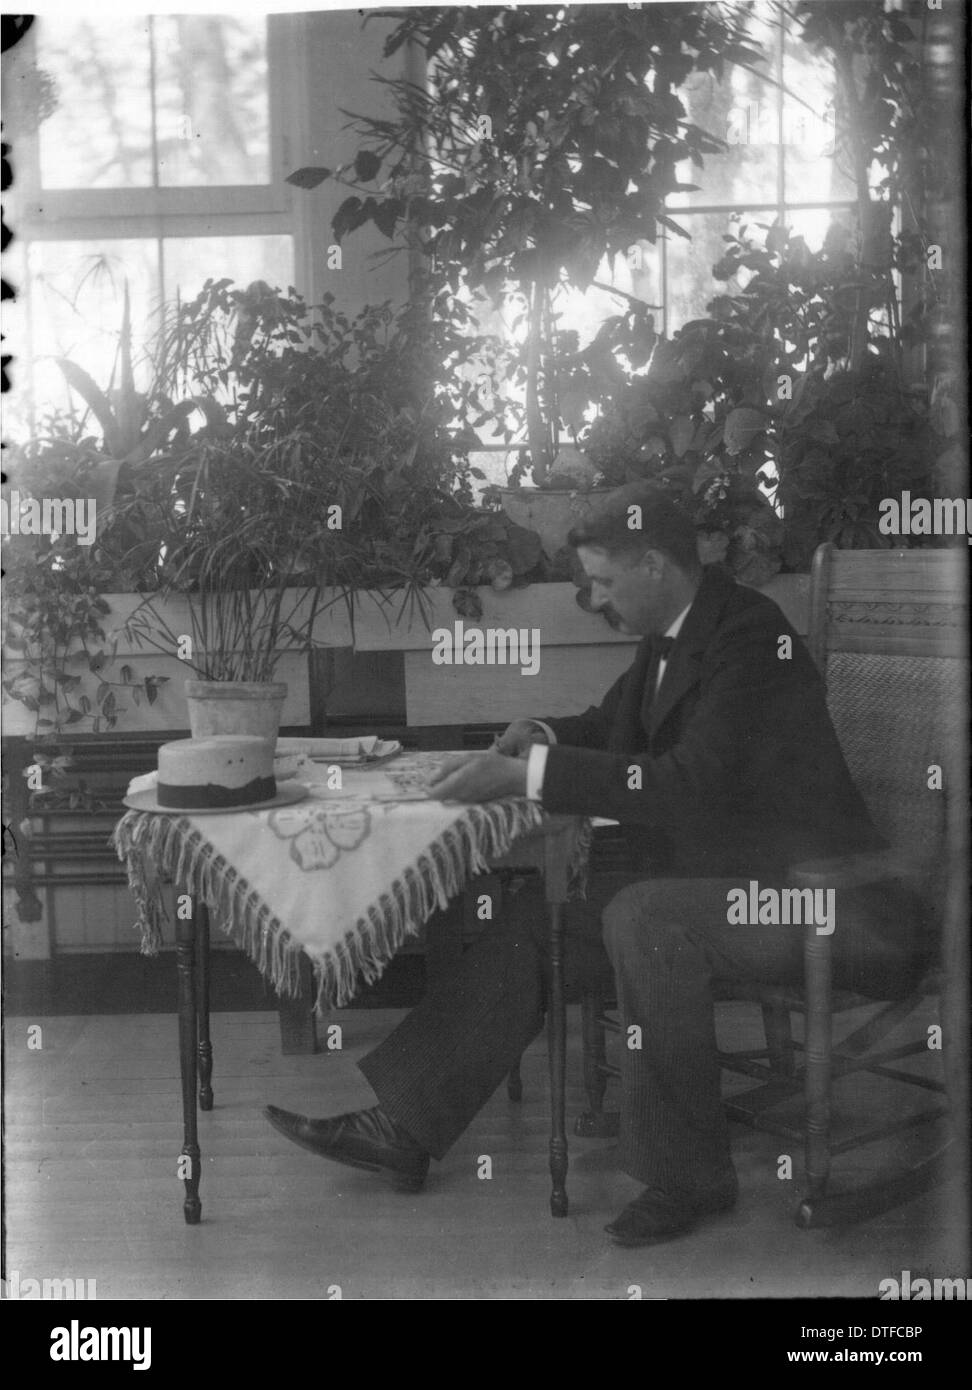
<point x="889" y="602"/>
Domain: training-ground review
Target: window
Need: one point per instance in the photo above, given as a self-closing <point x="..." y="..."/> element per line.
<point x="149" y="155"/>
<point x="782" y="161"/>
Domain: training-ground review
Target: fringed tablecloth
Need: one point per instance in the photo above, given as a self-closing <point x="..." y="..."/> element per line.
<point x="346" y="876"/>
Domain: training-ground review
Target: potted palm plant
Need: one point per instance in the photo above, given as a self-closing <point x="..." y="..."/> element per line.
<point x="318" y="481"/>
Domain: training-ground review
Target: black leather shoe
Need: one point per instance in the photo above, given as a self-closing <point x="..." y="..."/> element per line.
<point x="656" y="1216"/>
<point x="362" y="1139"/>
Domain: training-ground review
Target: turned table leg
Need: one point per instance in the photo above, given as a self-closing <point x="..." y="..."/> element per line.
<point x="189" y="1161"/>
<point x="557" y="1025"/>
<point x="205" y="1046"/>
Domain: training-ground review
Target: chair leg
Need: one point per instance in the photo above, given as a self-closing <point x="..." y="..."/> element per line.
<point x="592" y="1034"/>
<point x="298" y="1025"/>
<point x="779" y="1038"/>
<point x="205" y="1046"/>
<point x="595" y="1123"/>
<point x="190" y="1165"/>
<point x="514" y="1082"/>
<point x="819" y="1048"/>
<point x="843" y="1209"/>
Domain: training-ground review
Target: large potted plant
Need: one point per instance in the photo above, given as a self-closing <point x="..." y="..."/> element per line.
<point x="829" y="386"/>
<point x="318" y="481"/>
<point x="680" y="425"/>
<point x="541" y="141"/>
<point x="61" y="675"/>
<point x="285" y="459"/>
<point x="63" y="553"/>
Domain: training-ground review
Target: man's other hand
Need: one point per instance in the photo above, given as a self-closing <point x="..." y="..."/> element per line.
<point x="517" y="738"/>
<point x="479" y="777"/>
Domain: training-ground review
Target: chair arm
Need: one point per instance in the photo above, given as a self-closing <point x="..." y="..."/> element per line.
<point x="846" y="870"/>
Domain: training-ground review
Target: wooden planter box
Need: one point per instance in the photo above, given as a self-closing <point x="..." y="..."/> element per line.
<point x="580" y="655"/>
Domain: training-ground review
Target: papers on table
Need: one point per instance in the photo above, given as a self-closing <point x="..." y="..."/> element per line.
<point x="339" y="750"/>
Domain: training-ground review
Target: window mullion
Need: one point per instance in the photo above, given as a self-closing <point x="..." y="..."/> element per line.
<point x="154" y="106"/>
<point x="288" y="50"/>
<point x="780" y="122"/>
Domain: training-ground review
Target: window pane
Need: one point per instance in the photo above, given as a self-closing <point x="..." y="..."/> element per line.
<point x="100" y="135"/>
<point x="691" y="284"/>
<point x="211" y="94"/>
<point x="77" y="300"/>
<point x="816" y="168"/>
<point x="212" y="99"/>
<point x="191" y="261"/>
<point x="76" y="305"/>
<point x="812" y="223"/>
<point x="742" y="111"/>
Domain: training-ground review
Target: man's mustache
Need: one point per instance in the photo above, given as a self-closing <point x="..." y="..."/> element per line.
<point x="584" y="601"/>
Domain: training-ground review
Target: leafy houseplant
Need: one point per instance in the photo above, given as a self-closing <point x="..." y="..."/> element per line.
<point x="804" y="381"/>
<point x="278" y="451"/>
<point x="477" y="546"/>
<point x="544" y="140"/>
<point x="841" y="430"/>
<point x="328" y="461"/>
<point x="547" y="139"/>
<point x="59" y="656"/>
<point x="826" y="341"/>
<point x="679" y="425"/>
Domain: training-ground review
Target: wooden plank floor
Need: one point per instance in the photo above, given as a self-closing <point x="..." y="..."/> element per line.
<point x="94" y="1131"/>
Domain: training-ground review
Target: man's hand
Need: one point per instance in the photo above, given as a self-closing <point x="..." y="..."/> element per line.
<point x="479" y="777"/>
<point x="517" y="738"/>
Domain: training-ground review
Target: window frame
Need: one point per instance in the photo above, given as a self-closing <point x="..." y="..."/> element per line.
<point x="158" y="214"/>
<point x="88" y="214"/>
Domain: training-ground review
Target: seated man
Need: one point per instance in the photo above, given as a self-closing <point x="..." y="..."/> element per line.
<point x="716" y="754"/>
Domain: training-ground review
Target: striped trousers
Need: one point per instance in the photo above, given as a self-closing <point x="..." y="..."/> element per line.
<point x="658" y="944"/>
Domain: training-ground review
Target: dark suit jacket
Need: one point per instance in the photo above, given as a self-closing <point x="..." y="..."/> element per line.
<point x="741" y="771"/>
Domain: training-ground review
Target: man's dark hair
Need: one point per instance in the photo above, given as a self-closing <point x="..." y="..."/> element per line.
<point x="664" y="526"/>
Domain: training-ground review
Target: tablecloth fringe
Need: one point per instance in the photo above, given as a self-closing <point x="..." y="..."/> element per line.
<point x="190" y="861"/>
<point x="462" y="850"/>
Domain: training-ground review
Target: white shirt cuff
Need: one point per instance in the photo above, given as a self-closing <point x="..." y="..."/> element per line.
<point x="551" y="736"/>
<point x="536" y="766"/>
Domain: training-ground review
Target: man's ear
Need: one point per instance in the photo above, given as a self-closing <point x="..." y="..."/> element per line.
<point x="652" y="563"/>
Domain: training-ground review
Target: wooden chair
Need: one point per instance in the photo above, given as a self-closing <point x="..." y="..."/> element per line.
<point x="888" y="630"/>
